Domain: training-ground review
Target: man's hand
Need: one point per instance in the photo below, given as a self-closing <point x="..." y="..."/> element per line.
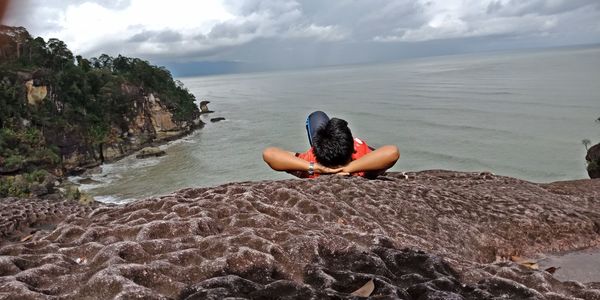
<point x="326" y="170"/>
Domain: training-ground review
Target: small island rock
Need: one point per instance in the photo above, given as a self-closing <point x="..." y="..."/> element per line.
<point x="204" y="107"/>
<point x="150" y="152"/>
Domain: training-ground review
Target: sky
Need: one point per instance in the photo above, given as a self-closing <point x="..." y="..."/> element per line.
<point x="221" y="36"/>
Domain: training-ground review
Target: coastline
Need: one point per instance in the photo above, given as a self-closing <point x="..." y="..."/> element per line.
<point x="88" y="170"/>
<point x="95" y="174"/>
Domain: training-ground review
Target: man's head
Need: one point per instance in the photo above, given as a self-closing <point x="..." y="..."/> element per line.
<point x="333" y="143"/>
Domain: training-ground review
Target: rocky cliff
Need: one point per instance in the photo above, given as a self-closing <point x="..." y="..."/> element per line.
<point x="425" y="235"/>
<point x="152" y="123"/>
<point x="63" y="113"/>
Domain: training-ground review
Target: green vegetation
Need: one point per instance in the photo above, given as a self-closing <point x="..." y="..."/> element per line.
<point x="593" y="164"/>
<point x="21" y="185"/>
<point x="87" y="99"/>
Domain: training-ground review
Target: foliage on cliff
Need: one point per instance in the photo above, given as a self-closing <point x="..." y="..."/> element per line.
<point x="86" y="99"/>
<point x="592" y="157"/>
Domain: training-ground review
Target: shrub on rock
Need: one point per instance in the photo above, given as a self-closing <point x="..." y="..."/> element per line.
<point x="593" y="161"/>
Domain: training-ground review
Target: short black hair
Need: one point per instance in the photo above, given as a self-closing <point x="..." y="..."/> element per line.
<point x="333" y="143"/>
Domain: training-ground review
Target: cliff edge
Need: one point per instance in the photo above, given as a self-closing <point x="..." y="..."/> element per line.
<point x="423" y="235"/>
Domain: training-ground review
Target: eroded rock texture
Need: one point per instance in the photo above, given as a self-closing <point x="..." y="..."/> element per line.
<point x="426" y="235"/>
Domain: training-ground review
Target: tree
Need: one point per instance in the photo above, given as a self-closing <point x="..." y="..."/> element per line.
<point x="83" y="63"/>
<point x="104" y="62"/>
<point x="122" y="64"/>
<point x="586" y="143"/>
<point x="61" y="55"/>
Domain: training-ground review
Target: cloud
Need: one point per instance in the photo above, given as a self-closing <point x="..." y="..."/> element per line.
<point x="471" y="18"/>
<point x="339" y="31"/>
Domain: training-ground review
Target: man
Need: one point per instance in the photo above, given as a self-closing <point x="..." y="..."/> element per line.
<point x="333" y="151"/>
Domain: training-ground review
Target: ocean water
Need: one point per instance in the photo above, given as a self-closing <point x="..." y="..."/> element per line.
<point x="520" y="114"/>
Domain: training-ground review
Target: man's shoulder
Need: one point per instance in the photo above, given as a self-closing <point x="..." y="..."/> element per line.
<point x="360" y="144"/>
<point x="359" y="141"/>
<point x="308" y="155"/>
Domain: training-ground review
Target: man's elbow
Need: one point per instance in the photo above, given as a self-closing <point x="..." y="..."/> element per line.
<point x="268" y="154"/>
<point x="392" y="154"/>
<point x="272" y="156"/>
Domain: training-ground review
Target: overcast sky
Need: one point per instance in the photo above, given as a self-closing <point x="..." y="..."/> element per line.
<point x="303" y="33"/>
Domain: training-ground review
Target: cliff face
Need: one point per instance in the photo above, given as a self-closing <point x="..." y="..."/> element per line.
<point x="12" y="40"/>
<point x="426" y="235"/>
<point x="152" y="123"/>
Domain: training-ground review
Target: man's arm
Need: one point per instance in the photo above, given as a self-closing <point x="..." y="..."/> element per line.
<point x="281" y="160"/>
<point x="375" y="162"/>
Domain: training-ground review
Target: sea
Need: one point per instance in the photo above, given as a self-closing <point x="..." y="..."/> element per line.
<point x="522" y="114"/>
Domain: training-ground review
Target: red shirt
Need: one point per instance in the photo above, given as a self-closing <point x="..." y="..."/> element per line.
<point x="360" y="149"/>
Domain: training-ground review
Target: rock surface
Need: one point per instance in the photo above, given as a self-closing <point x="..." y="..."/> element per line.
<point x="425" y="235"/>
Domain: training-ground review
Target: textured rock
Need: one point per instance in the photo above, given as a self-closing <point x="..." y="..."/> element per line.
<point x="426" y="235"/>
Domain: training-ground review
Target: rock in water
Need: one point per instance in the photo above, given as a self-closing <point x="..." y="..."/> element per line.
<point x="204" y="107"/>
<point x="150" y="152"/>
<point x="214" y="120"/>
<point x="593" y="159"/>
<point x="424" y="235"/>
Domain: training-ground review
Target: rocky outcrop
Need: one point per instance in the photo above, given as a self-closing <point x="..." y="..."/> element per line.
<point x="593" y="160"/>
<point x="35" y="94"/>
<point x="11" y="41"/>
<point x="204" y="107"/>
<point x="425" y="235"/>
<point x="150" y="152"/>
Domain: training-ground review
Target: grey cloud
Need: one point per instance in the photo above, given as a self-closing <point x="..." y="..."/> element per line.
<point x="168" y="36"/>
<point x="42" y="16"/>
<point x="165" y="36"/>
<point x="299" y="33"/>
<point x="233" y="31"/>
<point x="249" y="7"/>
<point x="538" y="7"/>
<point x="366" y="19"/>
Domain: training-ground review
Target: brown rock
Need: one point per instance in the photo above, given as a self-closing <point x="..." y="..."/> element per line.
<point x="424" y="235"/>
<point x="35" y="94"/>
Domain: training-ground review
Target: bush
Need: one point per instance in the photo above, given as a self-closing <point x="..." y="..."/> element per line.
<point x="72" y="193"/>
<point x="32" y="136"/>
<point x="16" y="186"/>
<point x="36" y="176"/>
<point x="593" y="165"/>
<point x="4" y="186"/>
<point x="45" y="155"/>
<point x="14" y="161"/>
<point x="20" y="185"/>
